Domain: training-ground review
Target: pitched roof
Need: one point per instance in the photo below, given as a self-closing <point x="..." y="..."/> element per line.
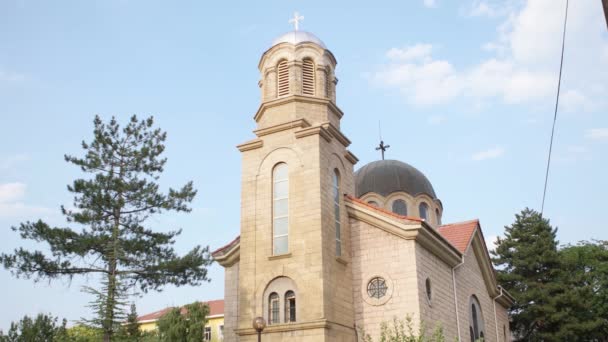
<point x="225" y="248"/>
<point x="216" y="308"/>
<point x="459" y="234"/>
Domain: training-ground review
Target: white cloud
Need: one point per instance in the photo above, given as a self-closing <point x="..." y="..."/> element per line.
<point x="573" y="153"/>
<point x="524" y="62"/>
<point x="11" y="205"/>
<point x="597" y="134"/>
<point x="8" y="76"/>
<point x="430" y="3"/>
<point x="491" y="153"/>
<point x="491" y="242"/>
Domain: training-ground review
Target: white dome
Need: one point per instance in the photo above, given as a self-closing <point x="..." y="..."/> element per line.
<point x="297" y="37"/>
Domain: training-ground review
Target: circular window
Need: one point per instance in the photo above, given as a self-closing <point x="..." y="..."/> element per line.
<point x="376" y="288"/>
<point x="428" y="289"/>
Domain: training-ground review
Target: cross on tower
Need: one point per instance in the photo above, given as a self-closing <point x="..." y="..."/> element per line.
<point x="382" y="148"/>
<point x="296" y="20"/>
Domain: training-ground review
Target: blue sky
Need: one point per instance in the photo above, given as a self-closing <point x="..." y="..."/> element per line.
<point x="464" y="91"/>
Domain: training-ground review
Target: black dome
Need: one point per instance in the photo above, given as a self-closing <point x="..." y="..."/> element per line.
<point x="387" y="176"/>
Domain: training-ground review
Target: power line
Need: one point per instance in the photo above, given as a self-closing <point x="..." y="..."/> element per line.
<point x="559" y="83"/>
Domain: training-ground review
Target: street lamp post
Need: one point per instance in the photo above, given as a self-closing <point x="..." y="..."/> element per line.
<point x="259" y="324"/>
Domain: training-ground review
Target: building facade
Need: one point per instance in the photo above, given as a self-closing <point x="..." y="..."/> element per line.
<point x="325" y="251"/>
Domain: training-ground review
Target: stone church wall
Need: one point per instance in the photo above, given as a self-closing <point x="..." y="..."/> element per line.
<point x="231" y="301"/>
<point x="377" y="253"/>
<point x="439" y="310"/>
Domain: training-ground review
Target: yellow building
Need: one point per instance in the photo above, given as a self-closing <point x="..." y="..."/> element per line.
<point x="214" y="330"/>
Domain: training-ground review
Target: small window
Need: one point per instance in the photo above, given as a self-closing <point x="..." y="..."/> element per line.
<point x="328" y="81"/>
<point x="290" y="307"/>
<point x="273" y="308"/>
<point x="207" y="336"/>
<point x="424" y="211"/>
<point x="221" y="332"/>
<point x="337" y="223"/>
<point x="475" y="320"/>
<point x="376" y="288"/>
<point x="428" y="289"/>
<point x="374" y="203"/>
<point x="280" y="209"/>
<point x="282" y="79"/>
<point x="399" y="207"/>
<point x="438" y="217"/>
<point x="308" y="77"/>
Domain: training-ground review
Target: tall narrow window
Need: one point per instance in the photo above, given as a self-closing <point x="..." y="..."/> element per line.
<point x="280" y="209"/>
<point x="283" y="79"/>
<point x="207" y="336"/>
<point x="328" y="83"/>
<point x="273" y="308"/>
<point x="308" y="77"/>
<point x="399" y="207"/>
<point x="438" y="217"/>
<point x="336" y="187"/>
<point x="424" y="211"/>
<point x="290" y="307"/>
<point x="475" y="320"/>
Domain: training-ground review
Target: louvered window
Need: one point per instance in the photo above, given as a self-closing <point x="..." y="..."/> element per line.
<point x="308" y="77"/>
<point x="328" y="84"/>
<point x="283" y="79"/>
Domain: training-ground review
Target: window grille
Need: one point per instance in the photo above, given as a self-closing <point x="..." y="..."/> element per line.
<point x="273" y="308"/>
<point x="308" y="77"/>
<point x="290" y="307"/>
<point x="283" y="79"/>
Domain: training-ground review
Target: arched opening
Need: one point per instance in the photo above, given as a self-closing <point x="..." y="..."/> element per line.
<point x="273" y="308"/>
<point x="308" y="77"/>
<point x="424" y="211"/>
<point x="399" y="207"/>
<point x="280" y="209"/>
<point x="429" y="293"/>
<point x="282" y="78"/>
<point x="336" y="197"/>
<point x="290" y="306"/>
<point x="476" y="327"/>
<point x="438" y="217"/>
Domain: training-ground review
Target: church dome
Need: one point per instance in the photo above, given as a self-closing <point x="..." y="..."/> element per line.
<point x="385" y="177"/>
<point x="297" y="37"/>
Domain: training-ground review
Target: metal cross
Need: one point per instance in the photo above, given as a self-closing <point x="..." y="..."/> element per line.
<point x="382" y="148"/>
<point x="296" y="20"/>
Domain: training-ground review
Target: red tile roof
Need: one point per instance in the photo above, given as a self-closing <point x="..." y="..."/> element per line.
<point x="216" y="307"/>
<point x="384" y="211"/>
<point x="459" y="234"/>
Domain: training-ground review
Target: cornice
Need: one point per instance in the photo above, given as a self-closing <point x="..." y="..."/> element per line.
<point x="317" y="324"/>
<point x="351" y="157"/>
<point x="229" y="255"/>
<point x="299" y="123"/>
<point x="250" y="145"/>
<point x="316" y="130"/>
<point x="336" y="133"/>
<point x="297" y="98"/>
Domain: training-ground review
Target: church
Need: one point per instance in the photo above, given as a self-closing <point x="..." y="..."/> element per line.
<point x="325" y="251"/>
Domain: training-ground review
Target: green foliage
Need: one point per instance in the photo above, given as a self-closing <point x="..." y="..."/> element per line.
<point x="109" y="237"/>
<point x="184" y="325"/>
<point x="43" y="328"/>
<point x="131" y="328"/>
<point x="403" y="331"/>
<point x="83" y="333"/>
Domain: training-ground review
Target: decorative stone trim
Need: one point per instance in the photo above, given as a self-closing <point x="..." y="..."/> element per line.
<point x="250" y="145"/>
<point x="336" y="133"/>
<point x="351" y="157"/>
<point x="280" y="256"/>
<point x="389" y="289"/>
<point x="313" y="131"/>
<point x="341" y="260"/>
<point x="228" y="255"/>
<point x="297" y="98"/>
<point x="300" y="123"/>
<point x="283" y="327"/>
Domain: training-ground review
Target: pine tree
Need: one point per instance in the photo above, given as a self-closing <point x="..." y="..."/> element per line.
<point x="43" y="328"/>
<point x="109" y="237"/>
<point x="132" y="325"/>
<point x="528" y="264"/>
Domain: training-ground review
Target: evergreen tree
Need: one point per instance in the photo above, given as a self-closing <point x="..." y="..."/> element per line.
<point x="184" y="325"/>
<point x="528" y="264"/>
<point x="132" y="325"/>
<point x="109" y="237"/>
<point x="43" y="328"/>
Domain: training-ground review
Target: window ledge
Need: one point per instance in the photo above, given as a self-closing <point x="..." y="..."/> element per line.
<point x="280" y="256"/>
<point x="341" y="260"/>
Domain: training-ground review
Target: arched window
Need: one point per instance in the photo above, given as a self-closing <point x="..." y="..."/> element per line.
<point x="374" y="203"/>
<point x="336" y="193"/>
<point x="438" y="217"/>
<point x="399" y="207"/>
<point x="424" y="211"/>
<point x="429" y="293"/>
<point x="290" y="306"/>
<point x="475" y="320"/>
<point x="280" y="209"/>
<point x="308" y="77"/>
<point x="328" y="83"/>
<point x="273" y="308"/>
<point x="282" y="79"/>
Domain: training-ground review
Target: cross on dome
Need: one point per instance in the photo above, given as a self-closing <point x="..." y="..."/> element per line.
<point x="296" y="20"/>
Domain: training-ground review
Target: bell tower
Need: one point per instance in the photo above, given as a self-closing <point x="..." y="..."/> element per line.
<point x="293" y="259"/>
